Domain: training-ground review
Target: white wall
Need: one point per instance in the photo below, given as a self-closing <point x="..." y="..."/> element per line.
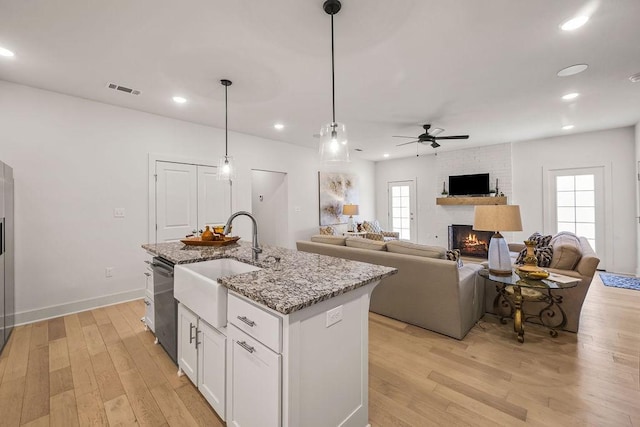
<point x="614" y="150"/>
<point x="430" y="172"/>
<point x="76" y="160"/>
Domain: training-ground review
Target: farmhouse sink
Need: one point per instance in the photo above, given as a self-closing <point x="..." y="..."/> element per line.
<point x="196" y="286"/>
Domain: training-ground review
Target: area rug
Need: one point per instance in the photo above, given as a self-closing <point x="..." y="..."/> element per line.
<point x="617" y="281"/>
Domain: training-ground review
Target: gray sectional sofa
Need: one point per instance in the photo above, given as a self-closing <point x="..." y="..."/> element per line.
<point x="429" y="291"/>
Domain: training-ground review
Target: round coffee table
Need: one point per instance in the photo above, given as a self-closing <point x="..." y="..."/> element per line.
<point x="514" y="290"/>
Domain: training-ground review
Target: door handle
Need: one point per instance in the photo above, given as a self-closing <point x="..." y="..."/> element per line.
<point x="191" y="327"/>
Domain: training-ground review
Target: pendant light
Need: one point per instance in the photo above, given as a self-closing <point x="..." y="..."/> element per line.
<point x="226" y="168"/>
<point x="333" y="136"/>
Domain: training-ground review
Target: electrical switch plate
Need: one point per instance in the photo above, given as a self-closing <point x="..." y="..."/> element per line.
<point x="334" y="315"/>
<point x="118" y="212"/>
<point x="108" y="272"/>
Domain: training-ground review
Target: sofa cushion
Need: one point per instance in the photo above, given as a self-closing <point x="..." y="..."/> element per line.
<point x="567" y="251"/>
<point x="409" y="248"/>
<point x="328" y="239"/>
<point x="359" y="242"/>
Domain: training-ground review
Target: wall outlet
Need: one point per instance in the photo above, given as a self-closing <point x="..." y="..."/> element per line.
<point x="118" y="212"/>
<point x="108" y="272"/>
<point x="334" y="316"/>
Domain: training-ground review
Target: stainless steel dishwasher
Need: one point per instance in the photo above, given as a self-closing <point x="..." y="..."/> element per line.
<point x="165" y="306"/>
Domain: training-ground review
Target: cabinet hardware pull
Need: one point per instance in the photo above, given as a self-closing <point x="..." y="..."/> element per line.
<point x="191" y="328"/>
<point x="147" y="274"/>
<point x="247" y="321"/>
<point x="197" y="342"/>
<point x="246" y="346"/>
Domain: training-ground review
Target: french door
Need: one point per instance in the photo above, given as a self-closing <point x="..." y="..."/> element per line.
<point x="577" y="205"/>
<point x="402" y="201"/>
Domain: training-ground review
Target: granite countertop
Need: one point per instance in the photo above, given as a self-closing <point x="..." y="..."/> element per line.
<point x="299" y="280"/>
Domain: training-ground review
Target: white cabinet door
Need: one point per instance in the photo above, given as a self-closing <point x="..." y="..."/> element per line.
<point x="214" y="197"/>
<point x="187" y="351"/>
<point x="176" y="201"/>
<point x="255" y="382"/>
<point x="212" y="347"/>
<point x="149" y="314"/>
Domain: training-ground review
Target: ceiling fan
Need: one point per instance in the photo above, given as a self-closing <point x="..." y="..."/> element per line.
<point x="430" y="135"/>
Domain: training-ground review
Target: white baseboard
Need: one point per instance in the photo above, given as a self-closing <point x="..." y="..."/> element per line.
<point x="36" y="315"/>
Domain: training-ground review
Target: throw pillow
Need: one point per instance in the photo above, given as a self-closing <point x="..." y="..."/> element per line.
<point x="541" y="241"/>
<point x="543" y="254"/>
<point x="372" y="227"/>
<point x="329" y="231"/>
<point x="567" y="251"/>
<point x="454" y="255"/>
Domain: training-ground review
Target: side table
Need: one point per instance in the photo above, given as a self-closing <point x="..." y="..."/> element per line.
<point x="355" y="233"/>
<point x="514" y="290"/>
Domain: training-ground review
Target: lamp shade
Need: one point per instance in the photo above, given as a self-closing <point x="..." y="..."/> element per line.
<point x="349" y="210"/>
<point x="497" y="218"/>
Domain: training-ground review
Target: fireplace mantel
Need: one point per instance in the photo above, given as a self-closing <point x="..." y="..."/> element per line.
<point x="471" y="201"/>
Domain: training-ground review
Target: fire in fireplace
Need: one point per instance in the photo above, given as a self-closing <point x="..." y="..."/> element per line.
<point x="469" y="241"/>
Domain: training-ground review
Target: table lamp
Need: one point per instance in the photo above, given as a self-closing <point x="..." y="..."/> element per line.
<point x="350" y="210"/>
<point x="498" y="218"/>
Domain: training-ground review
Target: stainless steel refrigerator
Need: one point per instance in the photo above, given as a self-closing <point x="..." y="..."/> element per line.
<point x="7" y="250"/>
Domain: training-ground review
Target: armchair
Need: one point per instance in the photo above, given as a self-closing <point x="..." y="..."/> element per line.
<point x="375" y="232"/>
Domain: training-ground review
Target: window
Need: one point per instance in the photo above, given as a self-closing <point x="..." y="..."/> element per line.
<point x="576" y="206"/>
<point x="401" y="200"/>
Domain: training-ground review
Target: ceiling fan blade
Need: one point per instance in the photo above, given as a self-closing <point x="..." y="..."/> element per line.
<point x="398" y="136"/>
<point x="435" y="131"/>
<point x="453" y="137"/>
<point x="405" y="143"/>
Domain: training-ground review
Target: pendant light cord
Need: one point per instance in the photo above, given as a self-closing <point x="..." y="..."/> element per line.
<point x="333" y="76"/>
<point x="226" y="126"/>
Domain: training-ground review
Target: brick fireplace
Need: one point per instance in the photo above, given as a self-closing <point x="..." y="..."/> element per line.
<point x="469" y="241"/>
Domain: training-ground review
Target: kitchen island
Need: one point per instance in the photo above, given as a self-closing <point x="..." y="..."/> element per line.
<point x="296" y="342"/>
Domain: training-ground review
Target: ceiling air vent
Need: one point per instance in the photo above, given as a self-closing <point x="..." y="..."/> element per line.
<point x="123" y="89"/>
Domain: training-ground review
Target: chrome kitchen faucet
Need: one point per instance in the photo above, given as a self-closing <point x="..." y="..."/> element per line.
<point x="254" y="244"/>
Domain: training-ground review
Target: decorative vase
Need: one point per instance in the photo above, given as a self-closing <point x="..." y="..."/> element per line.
<point x="207" y="234"/>
<point x="530" y="259"/>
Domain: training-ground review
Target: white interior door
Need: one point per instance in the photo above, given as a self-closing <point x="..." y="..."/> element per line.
<point x="402" y="207"/>
<point x="214" y="197"/>
<point x="176" y="200"/>
<point x="269" y="205"/>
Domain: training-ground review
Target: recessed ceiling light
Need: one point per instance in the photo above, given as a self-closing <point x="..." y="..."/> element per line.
<point x="279" y="126"/>
<point x="567" y="127"/>
<point x="575" y="23"/>
<point x="179" y="100"/>
<point x="5" y="52"/>
<point x="570" y="96"/>
<point x="385" y="155"/>
<point x="574" y="69"/>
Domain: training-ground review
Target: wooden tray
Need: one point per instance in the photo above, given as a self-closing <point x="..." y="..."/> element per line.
<point x="195" y="241"/>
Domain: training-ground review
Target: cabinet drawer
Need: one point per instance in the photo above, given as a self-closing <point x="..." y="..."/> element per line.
<point x="258" y="323"/>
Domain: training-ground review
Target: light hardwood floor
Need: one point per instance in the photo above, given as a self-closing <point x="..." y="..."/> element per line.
<point x="101" y="368"/>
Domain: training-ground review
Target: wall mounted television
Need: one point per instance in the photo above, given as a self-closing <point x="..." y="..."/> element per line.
<point x="469" y="185"/>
